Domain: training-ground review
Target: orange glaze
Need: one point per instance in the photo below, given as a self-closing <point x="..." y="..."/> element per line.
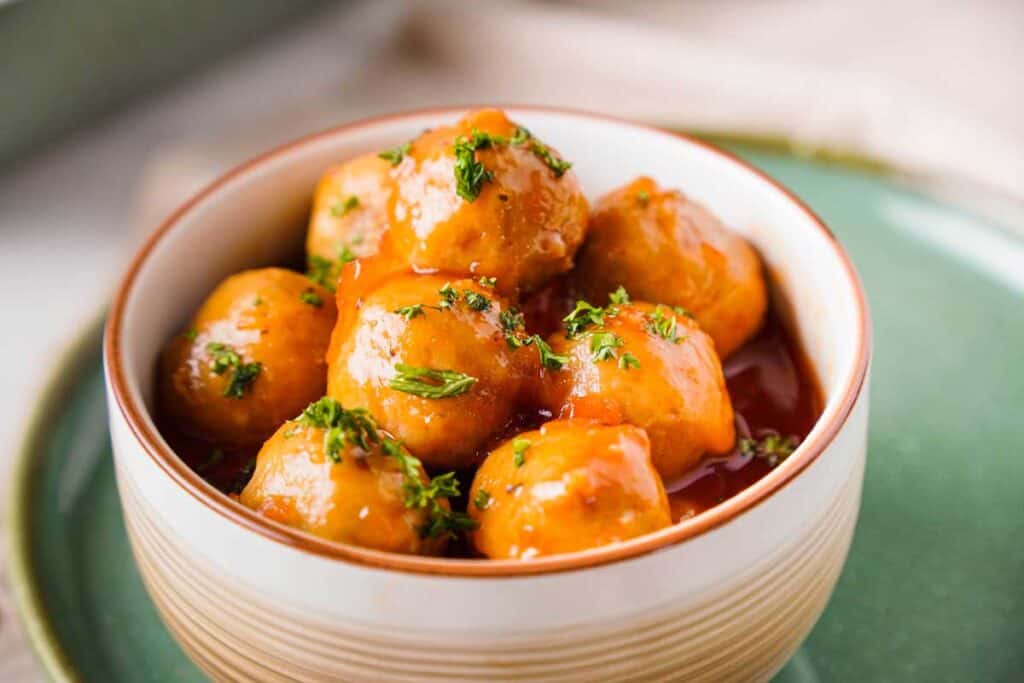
<point x="261" y="316"/>
<point x="771" y="386"/>
<point x="359" y="499"/>
<point x="444" y="432"/>
<point x="675" y="389"/>
<point x="580" y="485"/>
<point x="523" y="227"/>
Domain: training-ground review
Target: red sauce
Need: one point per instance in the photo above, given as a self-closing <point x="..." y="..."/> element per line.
<point x="771" y="384"/>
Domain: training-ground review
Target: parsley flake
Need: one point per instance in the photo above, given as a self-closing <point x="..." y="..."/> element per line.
<point x="603" y="345"/>
<point x="482" y="499"/>
<point x="663" y="325"/>
<point x="773" y="448"/>
<point x="312" y="298"/>
<point x="410" y="312"/>
<point x="643" y="198"/>
<point x="430" y="383"/>
<point x="420" y="495"/>
<point x="395" y="154"/>
<point x="488" y="281"/>
<point x="344" y="427"/>
<point x="628" y="361"/>
<point x="225" y="357"/>
<point x="343" y="207"/>
<point x="519" y="447"/>
<point x="470" y="174"/>
<point x="619" y="296"/>
<point x="475" y="300"/>
<point x="583" y="316"/>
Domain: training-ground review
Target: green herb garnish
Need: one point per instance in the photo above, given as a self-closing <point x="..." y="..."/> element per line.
<point x="355" y="427"/>
<point x="603" y="345"/>
<point x="410" y="312"/>
<point x="345" y="254"/>
<point x="395" y="154"/>
<point x="548" y="358"/>
<point x="341" y="208"/>
<point x="628" y="361"/>
<point x="224" y="357"/>
<point x="191" y="334"/>
<point x="619" y="296"/>
<point x="470" y="174"/>
<point x="241" y="378"/>
<point x="663" y="325"/>
<point x="557" y="165"/>
<point x="488" y="281"/>
<point x="420" y="495"/>
<point x="448" y="295"/>
<point x="773" y="448"/>
<point x="583" y="316"/>
<point x="429" y="382"/>
<point x="322" y="271"/>
<point x="482" y="499"/>
<point x="476" y="301"/>
<point x="643" y="197"/>
<point x="519" y="447"/>
<point x="312" y="298"/>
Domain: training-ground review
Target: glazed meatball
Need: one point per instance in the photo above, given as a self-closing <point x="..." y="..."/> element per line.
<point x="664" y="247"/>
<point x="570" y="486"/>
<point x="649" y="366"/>
<point x="253" y="356"/>
<point x="429" y="359"/>
<point x="484" y="197"/>
<point x="335" y="488"/>
<point x="349" y="213"/>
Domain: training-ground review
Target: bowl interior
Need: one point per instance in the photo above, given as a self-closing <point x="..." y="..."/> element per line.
<point x="255" y="216"/>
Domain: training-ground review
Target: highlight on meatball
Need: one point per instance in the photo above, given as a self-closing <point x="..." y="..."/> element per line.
<point x="332" y="473"/>
<point x="349" y="216"/>
<point x="648" y="365"/>
<point x="429" y="358"/>
<point x="571" y="485"/>
<point x="253" y="356"/>
<point x="665" y="247"/>
<point x="485" y="197"/>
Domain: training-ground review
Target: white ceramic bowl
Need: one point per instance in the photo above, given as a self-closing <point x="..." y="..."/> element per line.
<point x="727" y="595"/>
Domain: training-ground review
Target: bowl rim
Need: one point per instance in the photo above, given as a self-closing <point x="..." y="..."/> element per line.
<point x="133" y="411"/>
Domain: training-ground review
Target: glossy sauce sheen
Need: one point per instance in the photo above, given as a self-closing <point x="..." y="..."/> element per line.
<point x="770" y="382"/>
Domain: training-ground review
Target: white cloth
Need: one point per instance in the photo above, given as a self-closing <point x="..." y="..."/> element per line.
<point x="930" y="89"/>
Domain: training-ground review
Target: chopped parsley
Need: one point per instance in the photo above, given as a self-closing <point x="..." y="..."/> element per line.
<point x="519" y="447"/>
<point x="482" y="499"/>
<point x="354" y="427"/>
<point x="470" y="174"/>
<point x="548" y="358"/>
<point x="619" y="296"/>
<point x="679" y="310"/>
<point x="488" y="281"/>
<point x="395" y="154"/>
<point x="258" y="301"/>
<point x="345" y="253"/>
<point x="312" y="298"/>
<point x="420" y="495"/>
<point x="603" y="345"/>
<point x="410" y="312"/>
<point x="511" y="319"/>
<point x="475" y="300"/>
<point x="448" y="295"/>
<point x="663" y="325"/>
<point x="557" y="165"/>
<point x="322" y="271"/>
<point x="773" y="448"/>
<point x="628" y="361"/>
<point x="643" y="197"/>
<point x="520" y="136"/>
<point x="225" y="357"/>
<point x="191" y="334"/>
<point x="343" y="207"/>
<point x="582" y="317"/>
<point x="430" y="383"/>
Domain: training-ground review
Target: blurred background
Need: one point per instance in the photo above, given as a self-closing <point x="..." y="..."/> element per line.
<point x="114" y="111"/>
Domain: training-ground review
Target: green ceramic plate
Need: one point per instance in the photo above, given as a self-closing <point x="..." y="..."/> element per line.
<point x="934" y="588"/>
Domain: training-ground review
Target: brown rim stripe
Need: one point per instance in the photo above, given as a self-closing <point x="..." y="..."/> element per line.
<point x="193" y="484"/>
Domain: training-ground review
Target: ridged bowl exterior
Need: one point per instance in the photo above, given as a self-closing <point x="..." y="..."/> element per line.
<point x="727" y="596"/>
<point x="661" y="616"/>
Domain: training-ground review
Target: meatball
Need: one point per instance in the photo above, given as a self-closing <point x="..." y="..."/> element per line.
<point x="254" y="356"/>
<point x="430" y="360"/>
<point x="700" y="264"/>
<point x="570" y="486"/>
<point x="484" y="197"/>
<point x="349" y="213"/>
<point x="649" y="366"/>
<point x="336" y="489"/>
